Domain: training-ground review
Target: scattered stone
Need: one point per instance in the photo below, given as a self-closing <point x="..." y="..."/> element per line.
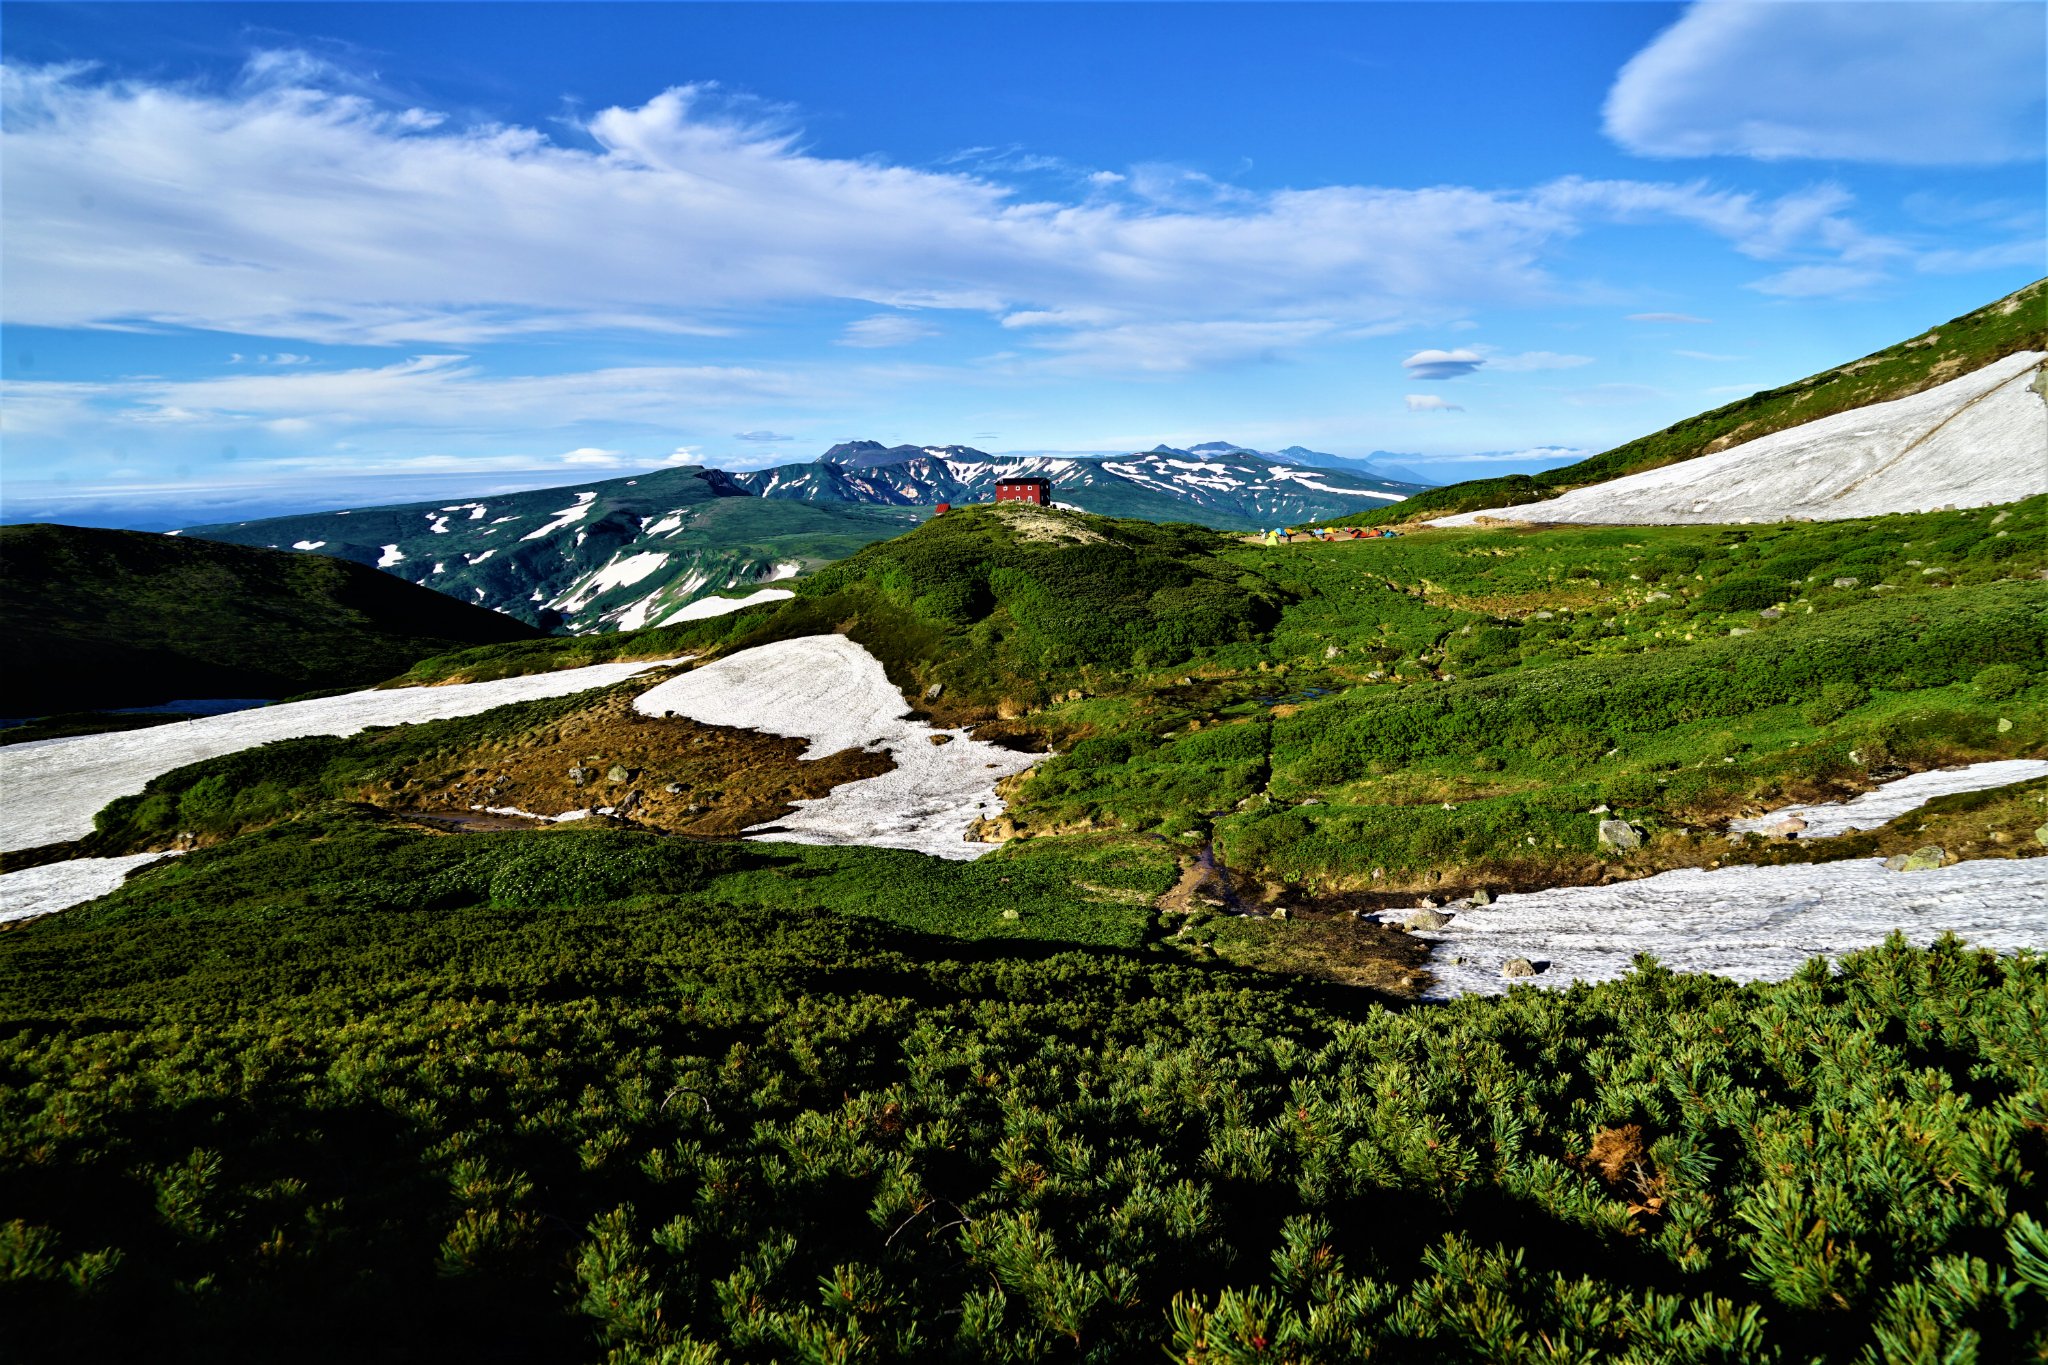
<point x="1543" y="616"/>
<point x="618" y="772"/>
<point x="1279" y="912"/>
<point x="2041" y="835"/>
<point x="1425" y="904"/>
<point x="932" y="693"/>
<point x="1924" y="859"/>
<point x="1770" y="613"/>
<point x="579" y="774"/>
<point x="1425" y="919"/>
<point x="674" y="789"/>
<point x="1332" y="652"/>
<point x="1741" y="630"/>
<point x="1184" y="681"/>
<point x="1457" y="962"/>
<point x="1791" y="824"/>
<point x="1601" y="809"/>
<point x="1620" y="834"/>
<point x="1518" y="966"/>
<point x="1658" y="597"/>
<point x="1011" y="914"/>
<point x="1929" y="573"/>
<point x="941" y="738"/>
<point x="1847" y="582"/>
<point x="1482" y="897"/>
<point x="2004" y="724"/>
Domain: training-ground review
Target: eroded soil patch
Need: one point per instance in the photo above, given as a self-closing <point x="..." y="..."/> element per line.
<point x="662" y="773"/>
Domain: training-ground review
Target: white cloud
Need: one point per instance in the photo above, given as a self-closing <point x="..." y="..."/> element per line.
<point x="431" y="391"/>
<point x="310" y="205"/>
<point x="886" y="329"/>
<point x="1429" y="402"/>
<point x="1536" y="360"/>
<point x="760" y="436"/>
<point x="1456" y="364"/>
<point x="1817" y="281"/>
<point x="1442" y="364"/>
<point x="302" y="212"/>
<point x="594" y="457"/>
<point x="1915" y="84"/>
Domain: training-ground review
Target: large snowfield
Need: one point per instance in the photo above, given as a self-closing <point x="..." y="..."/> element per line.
<point x="1894" y="799"/>
<point x="1971" y="442"/>
<point x="1747" y="923"/>
<point x="830" y="691"/>
<point x="54" y="787"/>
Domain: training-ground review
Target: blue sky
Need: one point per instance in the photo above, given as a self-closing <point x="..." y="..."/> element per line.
<point x="259" y="257"/>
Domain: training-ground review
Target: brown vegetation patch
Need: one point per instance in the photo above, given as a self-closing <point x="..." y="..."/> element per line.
<point x="659" y="772"/>
<point x="1347" y="951"/>
<point x="1620" y="1159"/>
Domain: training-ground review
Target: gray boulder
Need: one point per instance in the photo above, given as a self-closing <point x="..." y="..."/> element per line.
<point x="1923" y="859"/>
<point x="1620" y="835"/>
<point x="1518" y="966"/>
<point x="1425" y="919"/>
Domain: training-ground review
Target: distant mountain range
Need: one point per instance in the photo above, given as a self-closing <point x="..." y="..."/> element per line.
<point x="1373" y="466"/>
<point x="618" y="554"/>
<point x="613" y="554"/>
<point x="1229" y="489"/>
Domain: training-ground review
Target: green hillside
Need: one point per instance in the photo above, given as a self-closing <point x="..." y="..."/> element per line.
<point x="2017" y="322"/>
<point x="98" y="618"/>
<point x="611" y="553"/>
<point x="645" y="1093"/>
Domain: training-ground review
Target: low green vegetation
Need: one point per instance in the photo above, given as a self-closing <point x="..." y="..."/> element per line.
<point x="592" y="1095"/>
<point x="613" y="1094"/>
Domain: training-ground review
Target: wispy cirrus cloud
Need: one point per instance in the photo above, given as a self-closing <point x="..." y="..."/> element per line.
<point x="1429" y="402"/>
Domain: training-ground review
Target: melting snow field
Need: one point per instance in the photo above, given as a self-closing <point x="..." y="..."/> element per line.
<point x="1976" y="440"/>
<point x="1748" y="923"/>
<point x="832" y="692"/>
<point x="55" y="786"/>
<point x="719" y="606"/>
<point x="1894" y="799"/>
<point x="45" y="890"/>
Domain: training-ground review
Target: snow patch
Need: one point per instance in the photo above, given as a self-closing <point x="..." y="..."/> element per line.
<point x="720" y="606"/>
<point x="307" y="544"/>
<point x="72" y="778"/>
<point x="1746" y="923"/>
<point x="568" y="516"/>
<point x="478" y="559"/>
<point x="1977" y="440"/>
<point x="1894" y="799"/>
<point x="52" y="887"/>
<point x="830" y="691"/>
<point x="391" y="556"/>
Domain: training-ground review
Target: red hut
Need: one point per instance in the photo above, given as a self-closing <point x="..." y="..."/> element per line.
<point x="1037" y="491"/>
<point x="942" y="509"/>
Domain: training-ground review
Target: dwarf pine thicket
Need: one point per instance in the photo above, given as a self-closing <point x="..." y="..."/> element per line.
<point x="333" y="1084"/>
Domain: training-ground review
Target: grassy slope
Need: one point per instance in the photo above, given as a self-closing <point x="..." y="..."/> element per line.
<point x="718" y="536"/>
<point x="598" y="1094"/>
<point x="2018" y="322"/>
<point x="1319" y="706"/>
<point x="119" y="618"/>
